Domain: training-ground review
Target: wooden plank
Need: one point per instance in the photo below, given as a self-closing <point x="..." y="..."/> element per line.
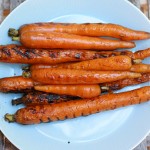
<point x="142" y="146"/>
<point x="5" y="144"/>
<point x="136" y="3"/>
<point x="5" y="8"/>
<point x="15" y="3"/>
<point x="1" y="11"/>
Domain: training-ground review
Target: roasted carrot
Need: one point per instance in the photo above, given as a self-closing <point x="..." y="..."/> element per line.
<point x="141" y="54"/>
<point x="76" y="108"/>
<point x="83" y="91"/>
<point x="141" y="68"/>
<point x="116" y="85"/>
<point x="17" y="84"/>
<point x="69" y="41"/>
<point x="46" y="98"/>
<point x="88" y="29"/>
<point x="19" y="54"/>
<point x="21" y="84"/>
<point x="34" y="98"/>
<point x="70" y="76"/>
<point x="116" y="63"/>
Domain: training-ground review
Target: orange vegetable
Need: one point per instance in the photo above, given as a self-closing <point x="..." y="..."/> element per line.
<point x="70" y="76"/>
<point x="83" y="91"/>
<point x="88" y="29"/>
<point x="76" y="108"/>
<point x="69" y="41"/>
<point x="141" y="68"/>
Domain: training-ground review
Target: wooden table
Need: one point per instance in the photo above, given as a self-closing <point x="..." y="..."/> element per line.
<point x="6" y="6"/>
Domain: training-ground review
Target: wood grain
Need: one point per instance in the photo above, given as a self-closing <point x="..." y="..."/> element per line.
<point x="6" y="6"/>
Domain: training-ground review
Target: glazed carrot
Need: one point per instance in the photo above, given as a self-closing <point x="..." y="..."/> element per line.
<point x="69" y="41"/>
<point x="116" y="85"/>
<point x="20" y="54"/>
<point x="141" y="68"/>
<point x="17" y="84"/>
<point x="116" y="63"/>
<point x="76" y="108"/>
<point x="88" y="29"/>
<point x="70" y="76"/>
<point x="20" y="84"/>
<point x="83" y="91"/>
<point x="141" y="54"/>
<point x="46" y="98"/>
<point x="34" y="98"/>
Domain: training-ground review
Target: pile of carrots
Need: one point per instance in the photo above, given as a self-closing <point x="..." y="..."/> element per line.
<point x="73" y="70"/>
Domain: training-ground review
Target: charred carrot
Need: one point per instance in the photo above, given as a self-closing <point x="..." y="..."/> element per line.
<point x="137" y="56"/>
<point x="19" y="54"/>
<point x="46" y="98"/>
<point x="17" y="84"/>
<point x="70" y="76"/>
<point x="76" y="108"/>
<point x="34" y="98"/>
<point x="83" y="91"/>
<point x="21" y="84"/>
<point x="141" y="68"/>
<point x="69" y="41"/>
<point x="87" y="29"/>
<point x="141" y="54"/>
<point x="116" y="85"/>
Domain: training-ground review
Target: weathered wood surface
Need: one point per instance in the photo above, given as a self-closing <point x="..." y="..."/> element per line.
<point x="6" y="6"/>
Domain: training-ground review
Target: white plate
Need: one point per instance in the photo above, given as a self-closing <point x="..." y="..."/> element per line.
<point x="121" y="129"/>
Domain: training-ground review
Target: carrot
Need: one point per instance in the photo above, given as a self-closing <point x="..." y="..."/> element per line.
<point x="21" y="84"/>
<point x="141" y="54"/>
<point x="34" y="98"/>
<point x="69" y="41"/>
<point x="16" y="84"/>
<point x="141" y="68"/>
<point x="116" y="85"/>
<point x="116" y="63"/>
<point x="46" y="98"/>
<point x="87" y="29"/>
<point x="69" y="76"/>
<point x="76" y="108"/>
<point x="83" y="91"/>
<point x="20" y="54"/>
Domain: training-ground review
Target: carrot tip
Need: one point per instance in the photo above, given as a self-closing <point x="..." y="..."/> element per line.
<point x="9" y="118"/>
